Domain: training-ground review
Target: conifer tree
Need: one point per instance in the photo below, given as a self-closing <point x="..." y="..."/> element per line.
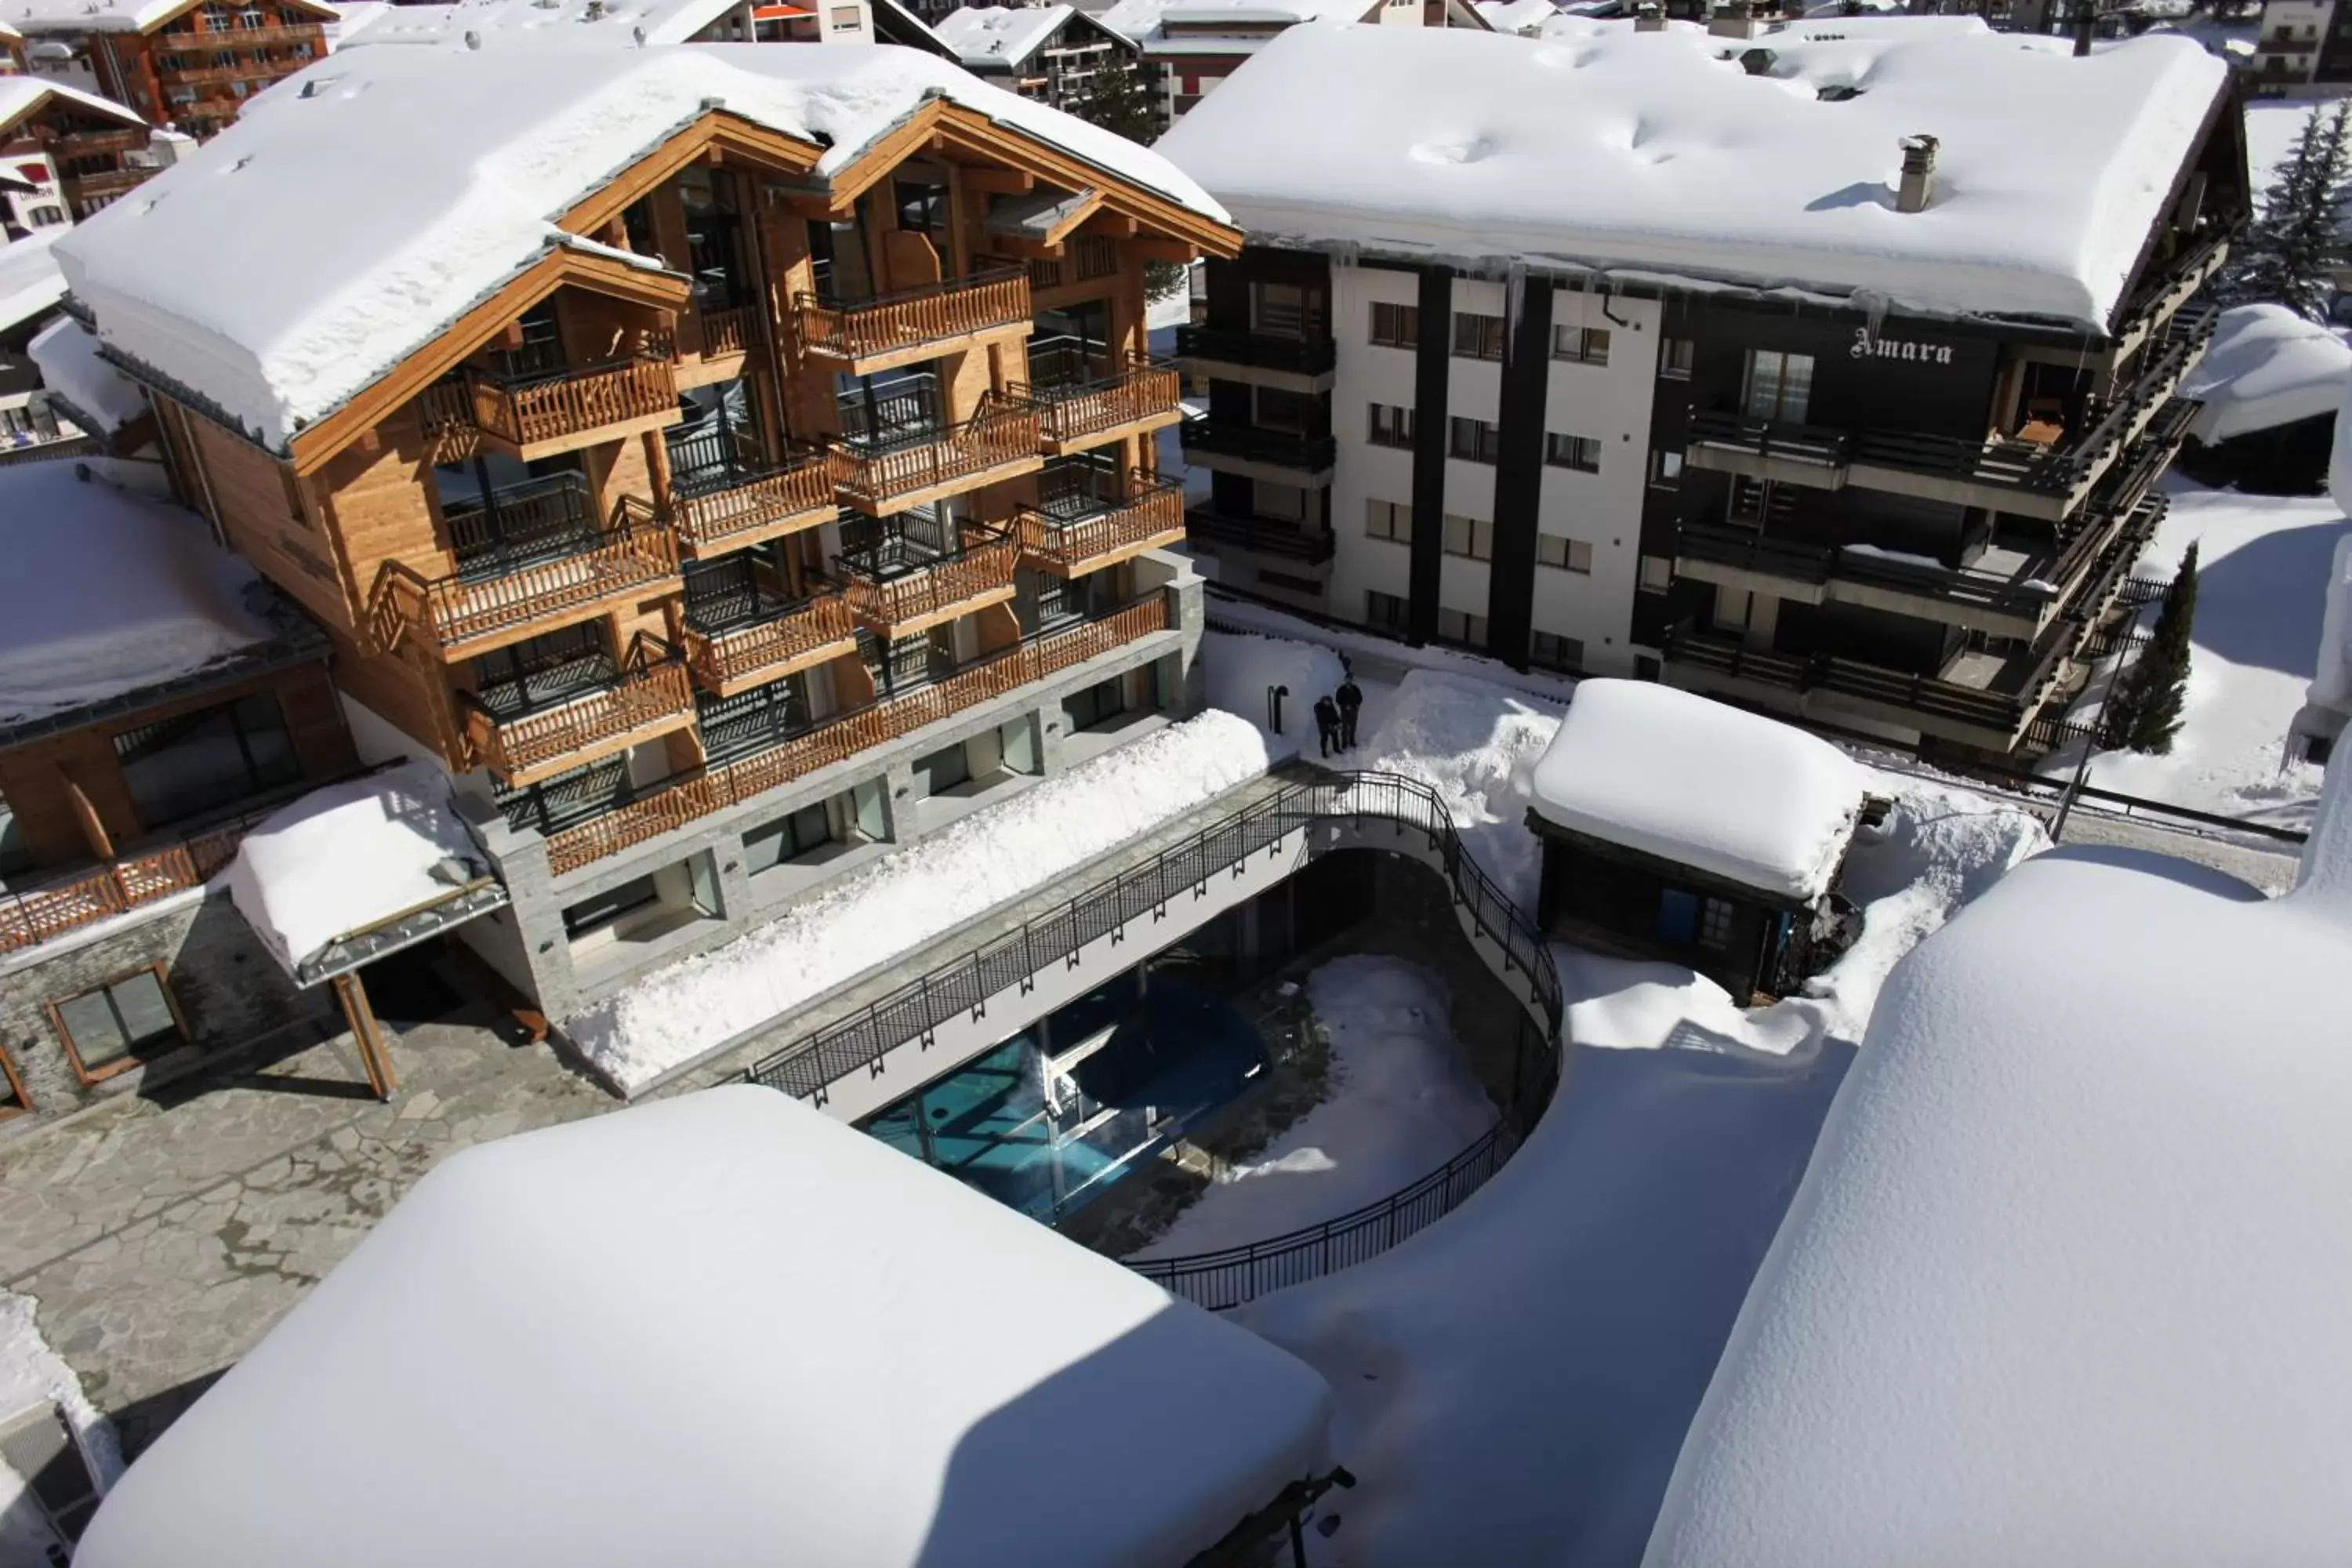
<point x="2287" y="255"/>
<point x="2143" y="710"/>
<point x="1116" y="99"/>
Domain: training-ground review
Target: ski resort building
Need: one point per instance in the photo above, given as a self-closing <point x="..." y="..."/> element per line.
<point x="71" y="152"/>
<point x="789" y="494"/>
<point x="1818" y="390"/>
<point x="1050" y="53"/>
<point x="188" y="65"/>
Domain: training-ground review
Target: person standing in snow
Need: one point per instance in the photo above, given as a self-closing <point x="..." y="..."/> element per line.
<point x="1351" y="698"/>
<point x="1327" y="725"/>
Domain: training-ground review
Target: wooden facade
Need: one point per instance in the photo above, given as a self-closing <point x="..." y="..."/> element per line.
<point x="834" y="437"/>
<point x="84" y="154"/>
<point x="194" y="67"/>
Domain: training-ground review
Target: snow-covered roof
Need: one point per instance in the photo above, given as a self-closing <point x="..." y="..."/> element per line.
<point x="102" y="398"/>
<point x="36" y="17"/>
<point x="31" y="282"/>
<point x="2265" y="367"/>
<point x="1657" y="154"/>
<point x="22" y="95"/>
<point x="985" y="36"/>
<point x="1671" y="773"/>
<point x="350" y="857"/>
<point x="115" y="591"/>
<point x="2064" y="1281"/>
<point x="341" y="223"/>
<point x="1515" y="15"/>
<point x="502" y="23"/>
<point x="721" y="1329"/>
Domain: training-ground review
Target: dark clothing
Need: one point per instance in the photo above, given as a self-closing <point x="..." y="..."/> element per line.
<point x="1351" y="698"/>
<point x="1327" y="725"/>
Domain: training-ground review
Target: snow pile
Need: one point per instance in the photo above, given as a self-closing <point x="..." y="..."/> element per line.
<point x="115" y="591"/>
<point x="349" y="857"/>
<point x="2265" y="367"/>
<point x="1242" y="669"/>
<point x="719" y="1330"/>
<point x="343" y="223"/>
<point x="682" y="1013"/>
<point x="33" y="1377"/>
<point x="1657" y="154"/>
<point x="66" y="354"/>
<point x="1401" y="1101"/>
<point x="2064" y="1281"/>
<point x="31" y="281"/>
<point x="1677" y="776"/>
<point x="999" y="34"/>
<point x="1478" y="746"/>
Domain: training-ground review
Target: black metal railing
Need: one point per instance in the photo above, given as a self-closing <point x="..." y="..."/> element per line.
<point x="1283" y="448"/>
<point x="1269" y="538"/>
<point x="519" y="525"/>
<point x="907" y="411"/>
<point x="1261" y="351"/>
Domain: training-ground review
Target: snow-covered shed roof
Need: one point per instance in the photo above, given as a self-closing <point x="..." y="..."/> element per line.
<point x="31" y="281"/>
<point x="73" y="18"/>
<point x="721" y="1329"/>
<point x="350" y="857"/>
<point x="1515" y="15"/>
<point x="2064" y="1281"/>
<point x="2265" y="367"/>
<point x="1682" y="777"/>
<point x="113" y="592"/>
<point x="102" y="398"/>
<point x="990" y="35"/>
<point x="1657" y="154"/>
<point x="344" y="221"/>
<point x="23" y="95"/>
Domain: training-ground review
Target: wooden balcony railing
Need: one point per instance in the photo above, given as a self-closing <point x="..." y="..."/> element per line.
<point x="1071" y="413"/>
<point x="632" y="552"/>
<point x="998" y="297"/>
<point x="80" y="188"/>
<point x="728" y="331"/>
<point x="887" y="597"/>
<point x="36" y="914"/>
<point x="711" y="512"/>
<point x="653" y="689"/>
<point x="79" y="143"/>
<point x="1152" y="514"/>
<point x="797" y="636"/>
<point x="880" y="476"/>
<point x="684" y="800"/>
<point x="192" y="41"/>
<point x="526" y="410"/>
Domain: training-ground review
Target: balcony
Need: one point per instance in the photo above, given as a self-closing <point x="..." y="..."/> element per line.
<point x="541" y="413"/>
<point x="904" y="465"/>
<point x="726" y="333"/>
<point x="633" y="816"/>
<point x="912" y="572"/>
<point x="1080" y="529"/>
<point x="866" y="335"/>
<point x="533" y="558"/>
<point x="1287" y="456"/>
<point x="1085" y="400"/>
<point x="82" y="144"/>
<point x="234" y="38"/>
<point x="588" y="708"/>
<point x="1207" y="527"/>
<point x="725" y="492"/>
<point x="1262" y="359"/>
<point x="749" y="636"/>
<point x="85" y="192"/>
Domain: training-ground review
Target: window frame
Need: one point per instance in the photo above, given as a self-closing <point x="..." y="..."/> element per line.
<point x="130" y="1057"/>
<point x="1487" y="439"/>
<point x="1375" y="508"/>
<point x="1479" y="537"/>
<point x="1486" y="335"/>
<point x="1660" y="477"/>
<point x="1375" y="599"/>
<point x="1575" y="345"/>
<point x="1405" y="318"/>
<point x="1473" y="628"/>
<point x="1665" y="565"/>
<point x="1675" y="358"/>
<point x="1568" y="547"/>
<point x="1562" y="449"/>
<point x="1780" y="362"/>
<point x="1396" y="432"/>
<point x="1567" y="664"/>
<point x="1715" y="919"/>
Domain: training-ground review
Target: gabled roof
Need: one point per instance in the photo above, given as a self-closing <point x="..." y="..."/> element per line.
<point x="22" y="97"/>
<point x="1000" y="37"/>
<point x="70" y="18"/>
<point x="352" y="215"/>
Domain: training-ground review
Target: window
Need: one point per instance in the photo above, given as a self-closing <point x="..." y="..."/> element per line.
<point x="1384" y="612"/>
<point x="1477" y="337"/>
<point x="120" y="1025"/>
<point x="1396" y="326"/>
<point x="1473" y="439"/>
<point x="1657" y="573"/>
<point x="1461" y="626"/>
<point x="943" y="769"/>
<point x="1676" y="356"/>
<point x="1284" y="311"/>
<point x="593" y="914"/>
<point x="1715" y="924"/>
<point x="1551" y="651"/>
<point x="1568" y="554"/>
<point x="1095" y="706"/>
<point x="1470" y="536"/>
<point x="1390" y="426"/>
<point x="1779" y="385"/>
<point x="802" y="832"/>
<point x="1665" y="469"/>
<point x="1389" y="520"/>
<point x="215" y="757"/>
<point x="1285" y="411"/>
<point x="11" y="1091"/>
<point x="1581" y="453"/>
<point x="46" y="217"/>
<point x="1283" y="503"/>
<point x="1585" y="345"/>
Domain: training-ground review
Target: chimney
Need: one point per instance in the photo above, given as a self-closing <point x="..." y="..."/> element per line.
<point x="1648" y="18"/>
<point x="1918" y="175"/>
<point x="1731" y="20"/>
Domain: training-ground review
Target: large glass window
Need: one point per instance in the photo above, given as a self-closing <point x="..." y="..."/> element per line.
<point x="613" y="904"/>
<point x="1396" y="326"/>
<point x="1473" y="439"/>
<point x="1477" y="336"/>
<point x="1470" y="536"/>
<point x="1779" y="385"/>
<point x="1391" y="426"/>
<point x="714" y="239"/>
<point x="789" y="837"/>
<point x="1391" y="520"/>
<point x="1098" y="705"/>
<point x="121" y="1024"/>
<point x="206" y="761"/>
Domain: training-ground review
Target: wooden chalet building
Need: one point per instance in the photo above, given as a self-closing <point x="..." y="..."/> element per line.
<point x="790" y="495"/>
<point x="184" y="63"/>
<point x="76" y="151"/>
<point x="1050" y="53"/>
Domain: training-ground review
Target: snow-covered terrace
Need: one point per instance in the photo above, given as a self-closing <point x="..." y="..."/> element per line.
<point x="719" y="1330"/>
<point x="1657" y="157"/>
<point x="98" y="397"/>
<point x="343" y="222"/>
<point x="2266" y="367"/>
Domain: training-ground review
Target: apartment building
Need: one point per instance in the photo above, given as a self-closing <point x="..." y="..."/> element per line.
<point x="73" y="153"/>
<point x="184" y="63"/>
<point x="2304" y="50"/>
<point x="1768" y="399"/>
<point x="1050" y="53"/>
<point x="792" y="494"/>
<point x="1192" y="46"/>
<point x="625" y="23"/>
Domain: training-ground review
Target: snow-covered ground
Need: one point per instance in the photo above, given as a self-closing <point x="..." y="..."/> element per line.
<point x="2261" y="567"/>
<point x="31" y="1377"/>
<point x="1401" y="1102"/>
<point x="697" y="1006"/>
<point x="1476" y="744"/>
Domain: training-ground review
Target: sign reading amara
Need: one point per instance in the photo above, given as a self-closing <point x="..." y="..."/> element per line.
<point x="1867" y="347"/>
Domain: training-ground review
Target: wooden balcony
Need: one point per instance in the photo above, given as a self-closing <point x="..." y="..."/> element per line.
<point x="771" y="641"/>
<point x="742" y="498"/>
<point x="239" y="37"/>
<point x="547" y="412"/>
<point x="86" y="194"/>
<point x="630" y="558"/>
<point x="684" y="800"/>
<point x="1070" y="542"/>
<point x="726" y="333"/>
<point x="650" y="696"/>
<point x="898" y="588"/>
<point x="1076" y="414"/>
<point x="81" y="143"/>
<point x="915" y="323"/>
<point x="915" y="468"/>
<point x="83" y="898"/>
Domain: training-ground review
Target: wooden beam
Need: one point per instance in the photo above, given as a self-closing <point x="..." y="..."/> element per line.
<point x="93" y="829"/>
<point x="376" y="1057"/>
<point x="1162" y="251"/>
<point x="1035" y="249"/>
<point x="998" y="181"/>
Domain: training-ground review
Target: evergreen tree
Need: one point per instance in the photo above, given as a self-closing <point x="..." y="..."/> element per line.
<point x="2287" y="254"/>
<point x="1117" y="99"/>
<point x="2142" y="712"/>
